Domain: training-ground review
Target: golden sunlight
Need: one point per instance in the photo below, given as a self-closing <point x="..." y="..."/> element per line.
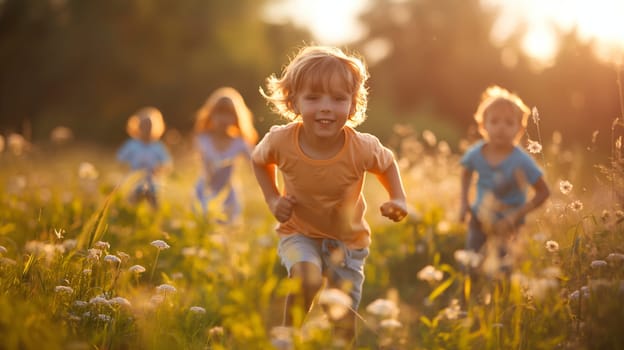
<point x="597" y="21"/>
<point x="332" y="22"/>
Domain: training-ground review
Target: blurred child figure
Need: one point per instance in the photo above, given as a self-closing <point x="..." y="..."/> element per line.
<point x="504" y="172"/>
<point x="145" y="152"/>
<point x="224" y="130"/>
<point x="323" y="161"/>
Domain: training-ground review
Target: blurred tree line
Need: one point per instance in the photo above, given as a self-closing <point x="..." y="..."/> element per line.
<point x="89" y="64"/>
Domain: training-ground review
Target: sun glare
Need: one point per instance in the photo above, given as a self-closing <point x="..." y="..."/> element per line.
<point x="598" y="21"/>
<point x="332" y="22"/>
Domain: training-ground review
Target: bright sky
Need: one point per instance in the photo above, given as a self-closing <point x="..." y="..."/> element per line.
<point x="334" y="22"/>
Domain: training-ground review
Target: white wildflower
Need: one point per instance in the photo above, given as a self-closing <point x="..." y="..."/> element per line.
<point x="565" y="186"/>
<point x="160" y="244"/>
<point x="467" y="257"/>
<point x="119" y="301"/>
<point x="598" y="264"/>
<point x="429" y="274"/>
<point x="98" y="301"/>
<point x="577" y="205"/>
<point x="337" y="303"/>
<point x="615" y="257"/>
<point x="534" y="147"/>
<point x="452" y="311"/>
<point x="3" y="250"/>
<point x="390" y="323"/>
<point x="535" y="115"/>
<point x="197" y="310"/>
<point x="63" y="290"/>
<point x="102" y="245"/>
<point x="113" y="259"/>
<point x="80" y="303"/>
<point x="104" y="318"/>
<point x="87" y="171"/>
<point x="166" y="288"/>
<point x="383" y="308"/>
<point x="552" y="246"/>
<point x="136" y="269"/>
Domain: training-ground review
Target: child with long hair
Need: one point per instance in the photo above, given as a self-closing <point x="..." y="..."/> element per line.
<point x="224" y="130"/>
<point x="323" y="161"/>
<point x="145" y="152"/>
<point x="505" y="171"/>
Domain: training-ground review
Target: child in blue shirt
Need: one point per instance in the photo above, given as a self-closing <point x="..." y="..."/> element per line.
<point x="145" y="152"/>
<point x="504" y="171"/>
<point x="224" y="130"/>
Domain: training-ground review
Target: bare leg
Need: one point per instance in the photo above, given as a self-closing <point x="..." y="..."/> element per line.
<point x="311" y="281"/>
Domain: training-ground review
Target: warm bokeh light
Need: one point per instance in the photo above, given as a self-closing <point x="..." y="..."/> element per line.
<point x="335" y="22"/>
<point x="598" y="20"/>
<point x="331" y="22"/>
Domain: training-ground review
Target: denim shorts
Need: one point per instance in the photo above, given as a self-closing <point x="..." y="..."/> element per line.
<point x="336" y="261"/>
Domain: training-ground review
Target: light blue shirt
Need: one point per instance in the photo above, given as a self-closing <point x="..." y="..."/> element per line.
<point x="503" y="179"/>
<point x="143" y="156"/>
<point x="220" y="160"/>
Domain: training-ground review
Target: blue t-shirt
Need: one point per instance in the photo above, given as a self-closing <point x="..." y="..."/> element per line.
<point x="220" y="160"/>
<point x="143" y="156"/>
<point x="503" y="180"/>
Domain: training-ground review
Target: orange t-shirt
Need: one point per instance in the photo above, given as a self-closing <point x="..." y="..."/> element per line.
<point x="330" y="203"/>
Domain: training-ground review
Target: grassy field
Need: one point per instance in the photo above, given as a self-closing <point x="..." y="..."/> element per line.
<point x="80" y="268"/>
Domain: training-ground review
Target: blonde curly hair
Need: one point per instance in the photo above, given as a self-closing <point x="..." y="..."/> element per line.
<point x="314" y="66"/>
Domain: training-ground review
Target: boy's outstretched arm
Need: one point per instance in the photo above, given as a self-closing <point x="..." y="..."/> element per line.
<point x="396" y="208"/>
<point x="280" y="206"/>
<point x="542" y="192"/>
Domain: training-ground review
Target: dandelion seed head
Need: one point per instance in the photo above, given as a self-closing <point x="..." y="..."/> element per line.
<point x="534" y="147"/>
<point x="565" y="186"/>
<point x="552" y="246"/>
<point x="63" y="290"/>
<point x="383" y="308"/>
<point x="160" y="244"/>
<point x="430" y="274"/>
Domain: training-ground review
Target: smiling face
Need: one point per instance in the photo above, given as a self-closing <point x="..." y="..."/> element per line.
<point x="324" y="109"/>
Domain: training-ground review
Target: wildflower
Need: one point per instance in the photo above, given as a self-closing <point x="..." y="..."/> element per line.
<point x="80" y="303"/>
<point x="103" y="317"/>
<point x="452" y="311"/>
<point x="123" y="256"/>
<point x="87" y="171"/>
<point x="101" y="245"/>
<point x="552" y="246"/>
<point x="429" y="137"/>
<point x="574" y="295"/>
<point x="605" y="216"/>
<point x="215" y="331"/>
<point x="136" y="269"/>
<point x="598" y="264"/>
<point x="63" y="290"/>
<point x="336" y="301"/>
<point x="61" y="134"/>
<point x="166" y="288"/>
<point x="534" y="147"/>
<point x="113" y="259"/>
<point x="3" y="250"/>
<point x="577" y="205"/>
<point x="160" y="244"/>
<point x="615" y="257"/>
<point x="98" y="301"/>
<point x="119" y="301"/>
<point x="430" y="273"/>
<point x="565" y="186"/>
<point x="383" y="308"/>
<point x="467" y="257"/>
<point x="535" y="115"/>
<point x="390" y="323"/>
<point x="197" y="310"/>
